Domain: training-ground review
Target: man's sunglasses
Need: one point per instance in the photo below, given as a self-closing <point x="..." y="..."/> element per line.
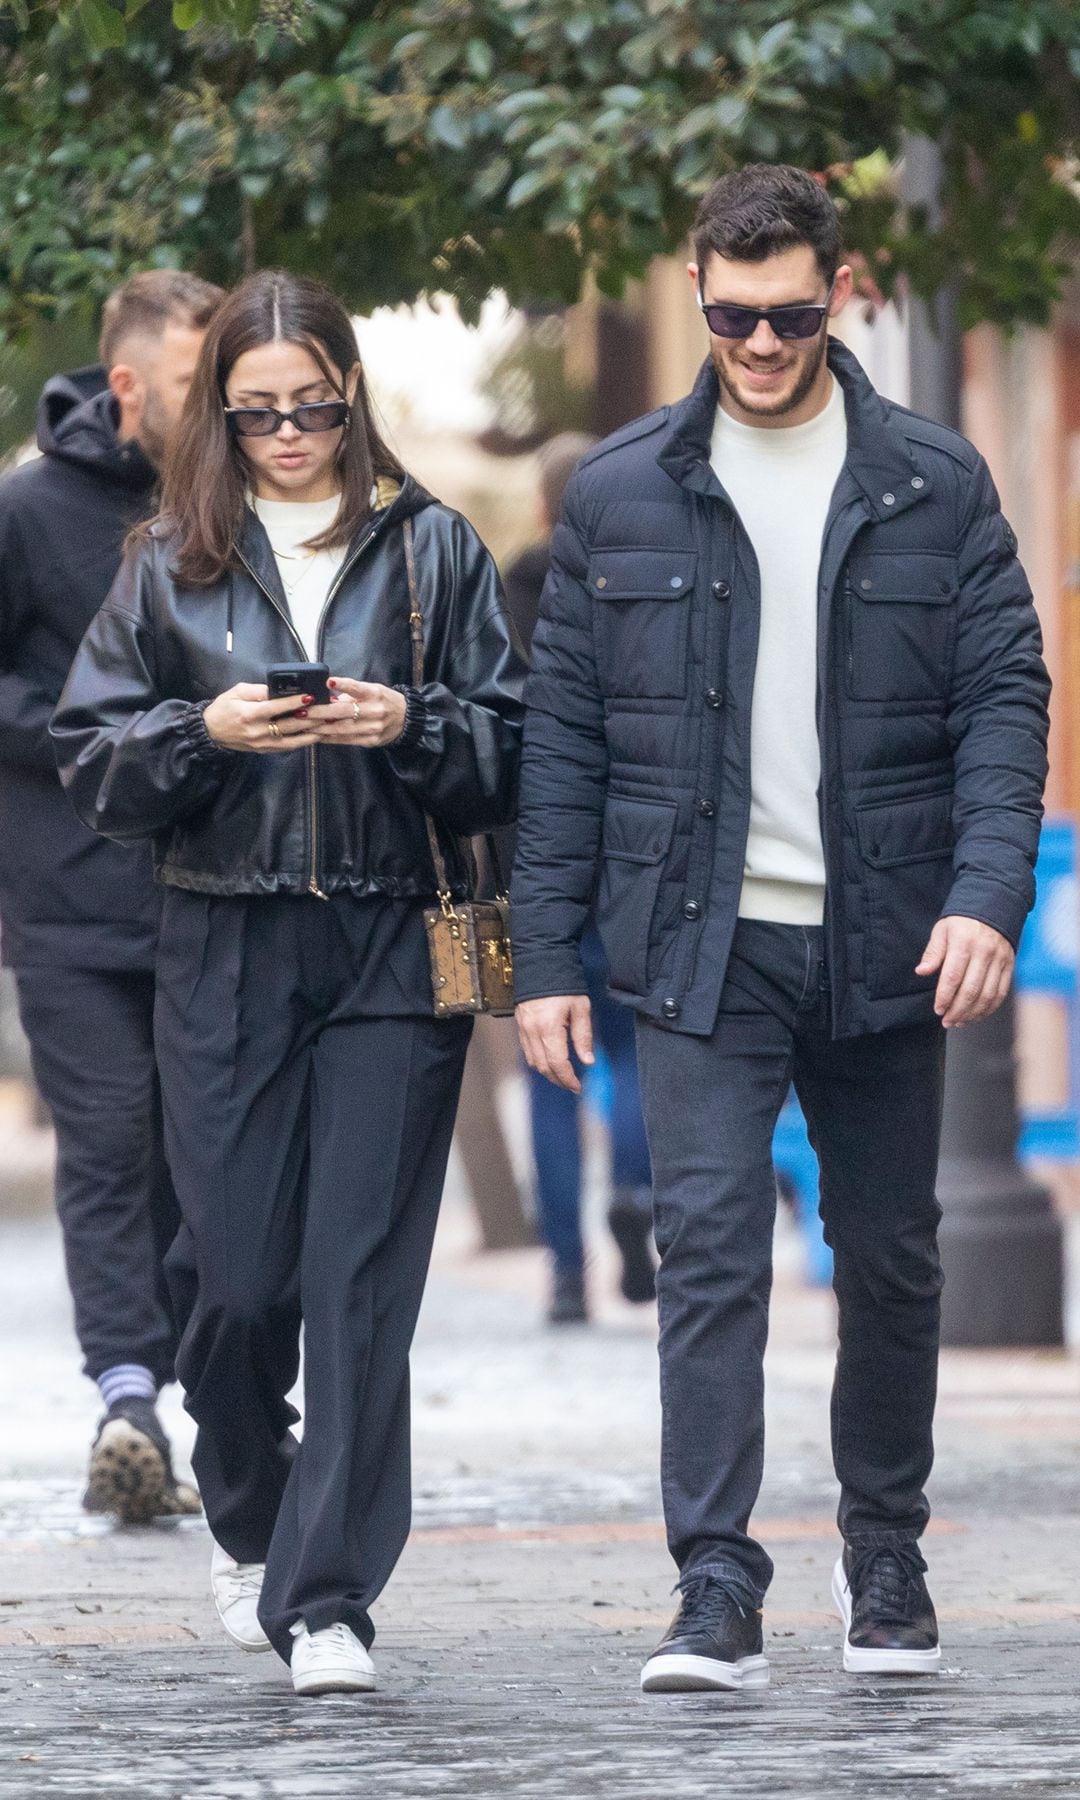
<point x="264" y="421"/>
<point x="726" y="320"/>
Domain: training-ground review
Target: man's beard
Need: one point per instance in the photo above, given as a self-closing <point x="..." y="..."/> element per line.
<point x="153" y="431"/>
<point x="809" y="373"/>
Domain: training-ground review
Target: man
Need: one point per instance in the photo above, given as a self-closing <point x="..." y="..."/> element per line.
<point x="555" y="1114"/>
<point x="80" y="914"/>
<point x="787" y="694"/>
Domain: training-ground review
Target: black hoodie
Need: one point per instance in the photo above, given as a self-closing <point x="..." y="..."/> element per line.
<point x="68" y="898"/>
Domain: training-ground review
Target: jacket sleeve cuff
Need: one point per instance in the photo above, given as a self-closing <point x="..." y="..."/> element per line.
<point x="543" y="975"/>
<point x="203" y="747"/>
<point x="415" y="719"/>
<point x="991" y="902"/>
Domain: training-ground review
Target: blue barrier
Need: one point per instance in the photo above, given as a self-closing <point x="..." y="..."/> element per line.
<point x="1048" y="962"/>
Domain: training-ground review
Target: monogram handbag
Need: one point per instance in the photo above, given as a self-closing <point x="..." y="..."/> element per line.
<point x="472" y="968"/>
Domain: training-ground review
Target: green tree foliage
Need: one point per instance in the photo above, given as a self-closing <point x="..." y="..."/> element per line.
<point x="471" y="144"/>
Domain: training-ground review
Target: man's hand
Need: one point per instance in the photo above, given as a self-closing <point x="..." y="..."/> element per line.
<point x="544" y="1026"/>
<point x="976" y="965"/>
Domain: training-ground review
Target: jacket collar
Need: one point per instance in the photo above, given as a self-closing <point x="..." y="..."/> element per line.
<point x="879" y="456"/>
<point x="394" y="500"/>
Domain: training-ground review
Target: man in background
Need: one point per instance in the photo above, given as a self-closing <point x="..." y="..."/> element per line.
<point x="556" y="1113"/>
<point x="80" y="914"/>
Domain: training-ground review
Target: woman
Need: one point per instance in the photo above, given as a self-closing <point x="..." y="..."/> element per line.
<point x="309" y="1091"/>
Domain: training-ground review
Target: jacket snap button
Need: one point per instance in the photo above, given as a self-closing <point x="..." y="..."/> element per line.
<point x="691" y="910"/>
<point x="917" y="481"/>
<point x="866" y="584"/>
<point x="676" y="581"/>
<point x="601" y="581"/>
<point x="714" y="698"/>
<point x="706" y="809"/>
<point x="671" y="1009"/>
<point x="721" y="590"/>
<point x="888" y="499"/>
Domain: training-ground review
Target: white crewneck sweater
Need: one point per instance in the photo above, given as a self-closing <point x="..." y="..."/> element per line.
<point x="307" y="576"/>
<point x="780" y="480"/>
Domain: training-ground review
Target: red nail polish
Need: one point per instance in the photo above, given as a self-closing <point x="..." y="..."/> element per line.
<point x="301" y="712"/>
<point x="331" y="682"/>
<point x="307" y="699"/>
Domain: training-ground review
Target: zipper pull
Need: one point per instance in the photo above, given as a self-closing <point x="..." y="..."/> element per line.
<point x="314" y="888"/>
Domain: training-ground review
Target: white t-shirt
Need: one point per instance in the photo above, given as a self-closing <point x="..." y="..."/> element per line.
<point x="781" y="481"/>
<point x="307" y="576"/>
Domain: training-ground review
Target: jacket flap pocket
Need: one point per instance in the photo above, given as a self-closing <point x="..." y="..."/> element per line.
<point x="641" y="574"/>
<point x="917" y="577"/>
<point x="638" y="830"/>
<point x="911" y="830"/>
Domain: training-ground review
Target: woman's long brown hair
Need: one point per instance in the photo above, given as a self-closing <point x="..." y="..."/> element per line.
<point x="206" y="478"/>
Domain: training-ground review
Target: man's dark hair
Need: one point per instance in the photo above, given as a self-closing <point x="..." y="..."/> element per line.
<point x="764" y="209"/>
<point x="149" y="301"/>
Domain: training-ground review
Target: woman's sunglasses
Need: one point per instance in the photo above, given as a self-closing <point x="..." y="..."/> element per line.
<point x="726" y="320"/>
<point x="264" y="421"/>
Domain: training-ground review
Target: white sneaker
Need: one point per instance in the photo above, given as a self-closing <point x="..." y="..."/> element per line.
<point x="236" y="1588"/>
<point x="332" y="1661"/>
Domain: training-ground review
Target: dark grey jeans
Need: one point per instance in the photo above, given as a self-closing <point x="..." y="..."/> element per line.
<point x="873" y="1107"/>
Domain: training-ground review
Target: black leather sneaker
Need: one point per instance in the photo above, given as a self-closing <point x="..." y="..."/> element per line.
<point x="131" y="1473"/>
<point x="712" y="1642"/>
<point x="890" y="1627"/>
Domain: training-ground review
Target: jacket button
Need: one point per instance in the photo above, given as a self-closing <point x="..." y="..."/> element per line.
<point x="917" y="482"/>
<point x="671" y="1009"/>
<point x="721" y="590"/>
<point x="888" y="499"/>
<point x="706" y="809"/>
<point x="714" y="698"/>
<point x="691" y="910"/>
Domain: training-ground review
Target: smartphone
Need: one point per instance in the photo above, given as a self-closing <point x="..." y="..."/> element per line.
<point x="299" y="678"/>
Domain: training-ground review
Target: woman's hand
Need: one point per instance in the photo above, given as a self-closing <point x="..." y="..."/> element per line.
<point x="244" y="719"/>
<point x="362" y="713"/>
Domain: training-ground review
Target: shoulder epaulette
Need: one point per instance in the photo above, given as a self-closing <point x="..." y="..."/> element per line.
<point x="627" y="433"/>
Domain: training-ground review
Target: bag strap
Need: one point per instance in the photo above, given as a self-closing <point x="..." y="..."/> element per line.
<point x="416" y="634"/>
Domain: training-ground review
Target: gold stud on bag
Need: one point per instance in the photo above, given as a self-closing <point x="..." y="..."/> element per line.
<point x="472" y="968"/>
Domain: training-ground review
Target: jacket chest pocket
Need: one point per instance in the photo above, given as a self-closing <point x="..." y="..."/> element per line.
<point x="902" y="626"/>
<point x="641" y="621"/>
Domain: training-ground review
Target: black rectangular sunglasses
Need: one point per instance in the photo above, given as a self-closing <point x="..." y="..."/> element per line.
<point x="264" y="421"/>
<point x="726" y="320"/>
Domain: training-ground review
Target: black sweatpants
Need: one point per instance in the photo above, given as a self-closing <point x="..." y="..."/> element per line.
<point x="92" y="1049"/>
<point x="309" y="1138"/>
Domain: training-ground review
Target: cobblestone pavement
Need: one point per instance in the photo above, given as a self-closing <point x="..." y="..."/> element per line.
<point x="536" y="1580"/>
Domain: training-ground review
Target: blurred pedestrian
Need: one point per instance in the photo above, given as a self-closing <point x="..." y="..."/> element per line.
<point x="555" y="1112"/>
<point x="787" y="694"/>
<point x="80" y="915"/>
<point x="309" y="1090"/>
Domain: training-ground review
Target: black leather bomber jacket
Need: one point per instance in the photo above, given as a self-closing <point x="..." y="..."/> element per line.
<point x="137" y="760"/>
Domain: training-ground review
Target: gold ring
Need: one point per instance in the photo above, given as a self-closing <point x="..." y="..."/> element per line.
<point x="356" y="711"/>
<point x="274" y="728"/>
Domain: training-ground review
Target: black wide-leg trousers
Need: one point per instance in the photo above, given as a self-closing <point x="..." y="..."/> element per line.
<point x="309" y="1140"/>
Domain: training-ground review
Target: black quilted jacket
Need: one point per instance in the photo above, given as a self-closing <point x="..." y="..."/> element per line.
<point x="932" y="716"/>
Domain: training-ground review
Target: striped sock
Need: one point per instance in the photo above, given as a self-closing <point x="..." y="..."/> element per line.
<point x="127" y="1381"/>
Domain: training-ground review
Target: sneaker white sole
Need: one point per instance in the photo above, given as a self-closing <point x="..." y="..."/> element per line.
<point x="858" y="1661"/>
<point x="127" y="1475"/>
<point x="341" y="1680"/>
<point x="699" y="1674"/>
<point x="253" y="1646"/>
